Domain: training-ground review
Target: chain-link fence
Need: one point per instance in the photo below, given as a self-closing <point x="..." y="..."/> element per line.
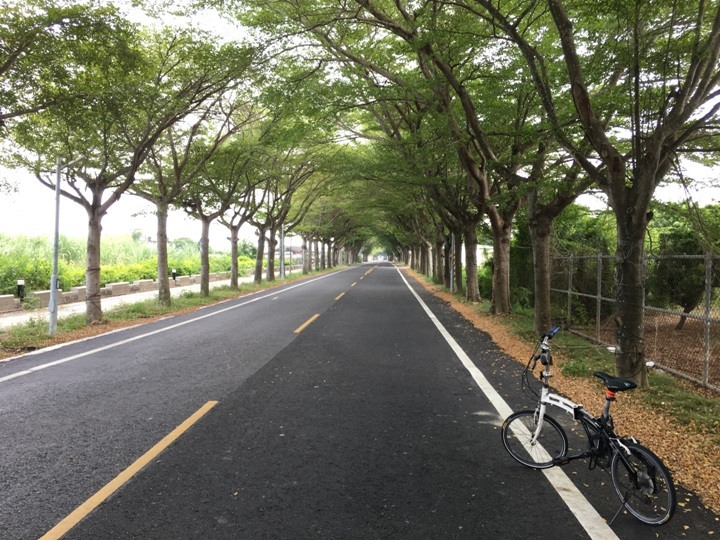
<point x="682" y="317"/>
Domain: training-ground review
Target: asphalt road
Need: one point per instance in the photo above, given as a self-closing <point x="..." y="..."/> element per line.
<point x="334" y="408"/>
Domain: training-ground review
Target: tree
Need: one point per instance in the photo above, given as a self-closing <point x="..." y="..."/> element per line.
<point x="641" y="69"/>
<point x="134" y="92"/>
<point x="219" y="184"/>
<point x="675" y="277"/>
<point x="178" y="158"/>
<point x="42" y="46"/>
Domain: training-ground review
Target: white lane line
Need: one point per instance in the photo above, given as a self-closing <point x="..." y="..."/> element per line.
<point x="159" y="331"/>
<point x="586" y="515"/>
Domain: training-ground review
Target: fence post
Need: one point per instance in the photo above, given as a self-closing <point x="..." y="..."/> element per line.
<point x="569" y="290"/>
<point x="708" y="306"/>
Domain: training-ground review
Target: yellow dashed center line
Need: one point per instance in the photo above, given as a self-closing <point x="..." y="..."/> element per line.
<point x="96" y="500"/>
<point x="306" y="323"/>
<point x="339" y="296"/>
<point x="354" y="284"/>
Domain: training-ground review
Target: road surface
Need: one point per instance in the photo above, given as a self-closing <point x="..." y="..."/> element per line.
<point x="352" y="405"/>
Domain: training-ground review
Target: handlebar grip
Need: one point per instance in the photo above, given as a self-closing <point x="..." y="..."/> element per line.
<point x="550" y="333"/>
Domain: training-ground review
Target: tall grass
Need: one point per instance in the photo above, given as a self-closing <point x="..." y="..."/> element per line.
<point x="121" y="258"/>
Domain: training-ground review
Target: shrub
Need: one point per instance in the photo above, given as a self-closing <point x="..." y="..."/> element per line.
<point x="123" y="260"/>
<point x="485" y="276"/>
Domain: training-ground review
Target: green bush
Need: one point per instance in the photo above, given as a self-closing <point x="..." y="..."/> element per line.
<point x="123" y="260"/>
<point x="245" y="263"/>
<point x="485" y="276"/>
<point x="521" y="297"/>
<point x="70" y="275"/>
<point x="35" y="272"/>
<point x="114" y="273"/>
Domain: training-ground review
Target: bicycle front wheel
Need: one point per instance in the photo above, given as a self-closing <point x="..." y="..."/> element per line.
<point x="517" y="433"/>
<point x="643" y="484"/>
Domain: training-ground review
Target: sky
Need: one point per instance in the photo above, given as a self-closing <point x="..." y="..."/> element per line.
<point x="30" y="211"/>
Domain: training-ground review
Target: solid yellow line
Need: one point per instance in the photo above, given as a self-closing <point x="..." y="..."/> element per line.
<point x="96" y="500"/>
<point x="339" y="296"/>
<point x="306" y="323"/>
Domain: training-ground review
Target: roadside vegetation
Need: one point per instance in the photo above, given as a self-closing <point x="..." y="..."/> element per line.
<point x="124" y="259"/>
<point x="688" y="404"/>
<point x="33" y="335"/>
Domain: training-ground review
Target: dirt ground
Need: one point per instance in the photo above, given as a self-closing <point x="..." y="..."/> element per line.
<point x="692" y="458"/>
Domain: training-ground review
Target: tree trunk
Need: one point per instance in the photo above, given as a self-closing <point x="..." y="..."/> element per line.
<point x="501" y="225"/>
<point x="323" y="260"/>
<point x="439" y="262"/>
<point x="447" y="260"/>
<point x="305" y="256"/>
<point x="93" y="305"/>
<point x="630" y="299"/>
<point x="540" y="228"/>
<point x="317" y="254"/>
<point x="260" y="255"/>
<point x="683" y="318"/>
<point x="163" y="277"/>
<point x="234" y="232"/>
<point x="272" y="244"/>
<point x="458" y="263"/>
<point x="472" y="289"/>
<point x="205" y="258"/>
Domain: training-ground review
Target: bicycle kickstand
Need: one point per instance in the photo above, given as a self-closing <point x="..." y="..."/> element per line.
<point x="622" y="505"/>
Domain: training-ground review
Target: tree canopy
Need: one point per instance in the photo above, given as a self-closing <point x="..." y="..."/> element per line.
<point x="419" y="126"/>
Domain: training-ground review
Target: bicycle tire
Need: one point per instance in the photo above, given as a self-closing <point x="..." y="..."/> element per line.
<point x="517" y="431"/>
<point x="653" y="499"/>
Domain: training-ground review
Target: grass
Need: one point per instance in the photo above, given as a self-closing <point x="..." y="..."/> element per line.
<point x="33" y="335"/>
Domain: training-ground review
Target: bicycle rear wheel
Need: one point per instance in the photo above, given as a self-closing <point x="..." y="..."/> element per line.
<point x="651" y="498"/>
<point x="517" y="433"/>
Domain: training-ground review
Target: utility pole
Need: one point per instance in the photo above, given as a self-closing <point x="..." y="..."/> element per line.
<point x="53" y="303"/>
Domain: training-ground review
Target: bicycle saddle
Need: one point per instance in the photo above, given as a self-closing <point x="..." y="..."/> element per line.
<point x="616" y="384"/>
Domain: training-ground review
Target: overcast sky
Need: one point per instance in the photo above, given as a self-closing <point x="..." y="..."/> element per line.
<point x="31" y="212"/>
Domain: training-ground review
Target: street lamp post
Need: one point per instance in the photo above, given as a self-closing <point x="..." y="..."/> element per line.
<point x="53" y="303"/>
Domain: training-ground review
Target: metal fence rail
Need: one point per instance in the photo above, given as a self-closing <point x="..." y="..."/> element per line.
<point x="681" y="341"/>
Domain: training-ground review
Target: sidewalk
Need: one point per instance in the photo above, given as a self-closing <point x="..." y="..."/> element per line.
<point x="21" y="316"/>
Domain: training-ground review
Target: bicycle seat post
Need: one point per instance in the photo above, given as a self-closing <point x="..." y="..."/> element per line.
<point x="609" y="398"/>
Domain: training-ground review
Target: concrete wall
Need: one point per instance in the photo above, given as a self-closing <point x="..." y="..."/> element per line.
<point x="78" y="294"/>
<point x="8" y="303"/>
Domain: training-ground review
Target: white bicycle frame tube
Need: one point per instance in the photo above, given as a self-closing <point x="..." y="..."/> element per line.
<point x="549" y="398"/>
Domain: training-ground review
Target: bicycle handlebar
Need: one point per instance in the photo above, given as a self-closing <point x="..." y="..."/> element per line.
<point x="550" y="333"/>
<point x="544" y="355"/>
